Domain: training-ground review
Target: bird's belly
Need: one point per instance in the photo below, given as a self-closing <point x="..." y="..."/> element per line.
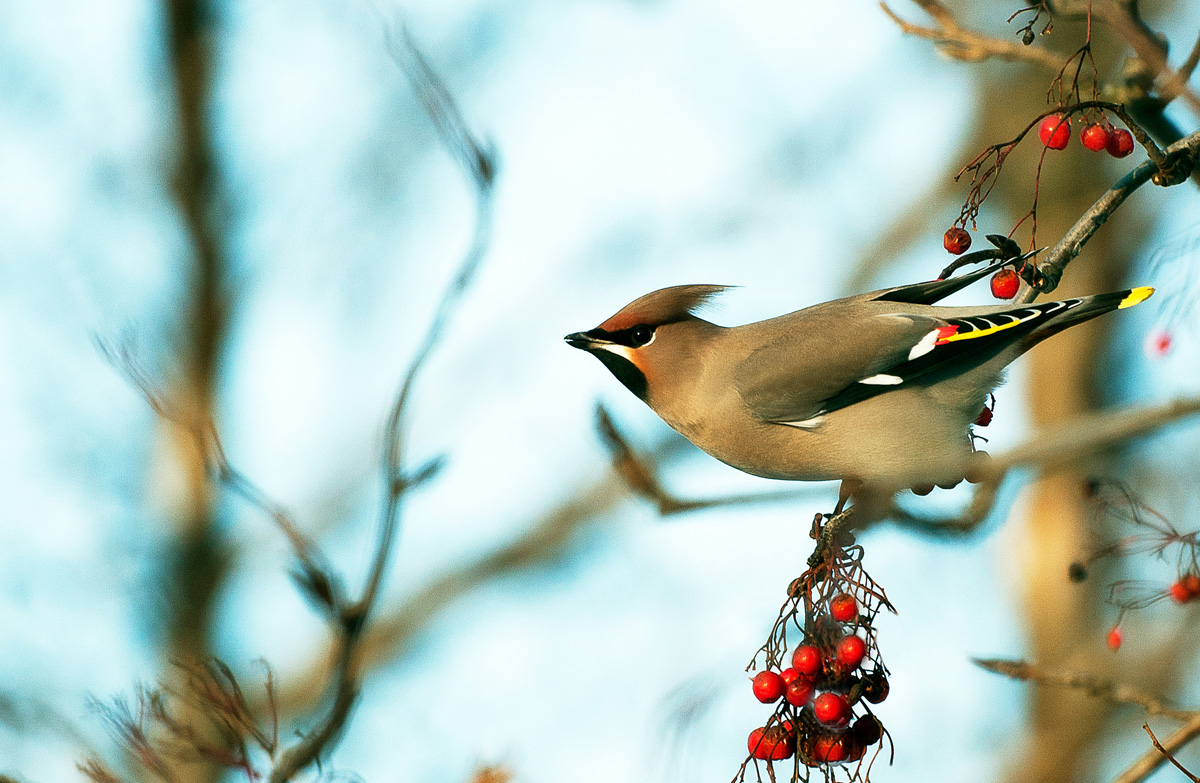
<point x="868" y="441"/>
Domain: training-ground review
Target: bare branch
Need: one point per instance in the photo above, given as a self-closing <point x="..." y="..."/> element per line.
<point x="347" y="677"/>
<point x="967" y="45"/>
<point x="641" y="476"/>
<point x="1182" y="153"/>
<point x="388" y="637"/>
<point x="1170" y="756"/>
<point x="1152" y="760"/>
<point x="1054" y="448"/>
<point x="316" y="576"/>
<point x="1091" y="684"/>
<point x="1188" y="67"/>
<point x="1152" y="50"/>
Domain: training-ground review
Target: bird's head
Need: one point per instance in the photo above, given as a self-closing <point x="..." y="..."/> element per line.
<point x="650" y="336"/>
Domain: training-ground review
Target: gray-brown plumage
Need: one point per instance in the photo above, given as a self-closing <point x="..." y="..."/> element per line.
<point x="880" y="388"/>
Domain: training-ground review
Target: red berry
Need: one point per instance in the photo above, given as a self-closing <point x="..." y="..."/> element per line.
<point x="831" y="709"/>
<point x="1114" y="638"/>
<point x="1005" y="284"/>
<point x="1094" y="137"/>
<point x="774" y="743"/>
<point x="850" y="651"/>
<point x="807" y="659"/>
<point x="1055" y="132"/>
<point x="867" y="729"/>
<point x="833" y="748"/>
<point x="875" y="686"/>
<point x="768" y="687"/>
<point x="843" y="608"/>
<point x="1186" y="588"/>
<point x="1120" y="143"/>
<point x="799" y="692"/>
<point x="1158" y="344"/>
<point x="984" y="418"/>
<point x="788" y="675"/>
<point x="956" y="240"/>
<point x="783" y="745"/>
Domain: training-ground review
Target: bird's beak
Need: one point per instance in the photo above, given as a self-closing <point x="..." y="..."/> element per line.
<point x="585" y="341"/>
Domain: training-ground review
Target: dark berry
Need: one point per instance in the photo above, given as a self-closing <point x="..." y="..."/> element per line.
<point x="1120" y="143"/>
<point x="867" y="730"/>
<point x="875" y="686"/>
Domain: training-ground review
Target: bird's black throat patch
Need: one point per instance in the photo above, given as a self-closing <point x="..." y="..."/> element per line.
<point x="625" y="370"/>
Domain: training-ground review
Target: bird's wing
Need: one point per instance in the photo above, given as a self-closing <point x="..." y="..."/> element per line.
<point x="932" y="291"/>
<point x="839" y="361"/>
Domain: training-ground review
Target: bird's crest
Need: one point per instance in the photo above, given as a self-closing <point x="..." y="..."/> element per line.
<point x="664" y="306"/>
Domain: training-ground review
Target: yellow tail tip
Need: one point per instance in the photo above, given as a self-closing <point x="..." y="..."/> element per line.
<point x="1136" y="296"/>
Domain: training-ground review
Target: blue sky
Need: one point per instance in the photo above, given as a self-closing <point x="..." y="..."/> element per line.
<point x="642" y="144"/>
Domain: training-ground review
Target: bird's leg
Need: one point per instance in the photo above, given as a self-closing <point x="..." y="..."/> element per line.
<point x="847" y="490"/>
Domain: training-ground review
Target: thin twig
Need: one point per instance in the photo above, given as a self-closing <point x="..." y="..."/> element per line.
<point x="1170" y="756"/>
<point x="1153" y="759"/>
<point x="1091" y="684"/>
<point x="389" y="636"/>
<point x="480" y="164"/>
<point x="960" y="43"/>
<point x="642" y="477"/>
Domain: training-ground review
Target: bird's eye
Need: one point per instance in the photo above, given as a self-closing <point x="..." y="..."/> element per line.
<point x="640" y="335"/>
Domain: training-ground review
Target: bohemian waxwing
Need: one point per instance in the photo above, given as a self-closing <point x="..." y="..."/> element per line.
<point x="879" y="388"/>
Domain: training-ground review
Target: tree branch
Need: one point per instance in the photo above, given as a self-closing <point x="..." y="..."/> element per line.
<point x="641" y="476"/>
<point x="1051" y="449"/>
<point x="1091" y="684"/>
<point x="1170" y="756"/>
<point x="1153" y="759"/>
<point x="352" y="617"/>
<point x="967" y="45"/>
<point x="1182" y="153"/>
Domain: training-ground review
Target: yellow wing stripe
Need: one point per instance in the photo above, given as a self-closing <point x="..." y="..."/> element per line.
<point x="1136" y="296"/>
<point x="980" y="332"/>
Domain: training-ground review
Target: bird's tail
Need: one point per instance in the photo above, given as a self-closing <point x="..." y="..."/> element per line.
<point x="1093" y="306"/>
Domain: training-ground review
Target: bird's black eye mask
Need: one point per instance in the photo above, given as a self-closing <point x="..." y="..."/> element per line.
<point x="633" y="337"/>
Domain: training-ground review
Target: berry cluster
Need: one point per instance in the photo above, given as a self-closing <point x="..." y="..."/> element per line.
<point x="1055" y="133"/>
<point x="822" y="689"/>
<point x="819" y="686"/>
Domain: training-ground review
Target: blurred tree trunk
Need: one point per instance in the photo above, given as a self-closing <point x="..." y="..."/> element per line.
<point x="197" y="563"/>
<point x="1064" y="621"/>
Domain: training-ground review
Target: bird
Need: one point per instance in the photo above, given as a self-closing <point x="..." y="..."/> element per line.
<point x="878" y="390"/>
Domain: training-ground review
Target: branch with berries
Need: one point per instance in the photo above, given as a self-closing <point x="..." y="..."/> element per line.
<point x="823" y="718"/>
